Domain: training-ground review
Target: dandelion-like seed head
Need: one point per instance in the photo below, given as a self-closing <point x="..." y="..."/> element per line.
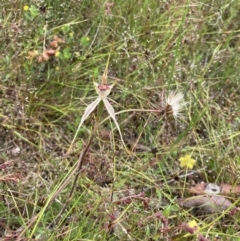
<point x="174" y="104"/>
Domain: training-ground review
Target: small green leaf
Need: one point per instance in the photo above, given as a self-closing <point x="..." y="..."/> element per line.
<point x="95" y="73"/>
<point x="66" y="53"/>
<point x="34" y="12"/>
<point x="66" y="29"/>
<point x="84" y="41"/>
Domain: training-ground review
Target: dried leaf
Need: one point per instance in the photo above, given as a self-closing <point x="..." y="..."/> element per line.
<point x="198" y="188"/>
<point x="208" y="204"/>
<point x="138" y="147"/>
<point x="226" y="188"/>
<point x="105" y="134"/>
<point x="212" y="188"/>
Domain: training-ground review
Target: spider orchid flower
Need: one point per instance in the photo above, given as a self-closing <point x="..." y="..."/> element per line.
<point x="103" y="90"/>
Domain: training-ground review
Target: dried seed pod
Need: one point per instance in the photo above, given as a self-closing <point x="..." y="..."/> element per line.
<point x="54" y="44"/>
<point x="50" y="51"/>
<point x="45" y="56"/>
<point x="59" y="40"/>
<point x="40" y="59"/>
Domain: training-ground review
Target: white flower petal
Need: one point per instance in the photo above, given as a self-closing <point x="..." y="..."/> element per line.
<point x="90" y="108"/>
<point x="112" y="114"/>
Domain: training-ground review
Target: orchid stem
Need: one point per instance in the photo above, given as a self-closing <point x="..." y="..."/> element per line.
<point x="80" y="161"/>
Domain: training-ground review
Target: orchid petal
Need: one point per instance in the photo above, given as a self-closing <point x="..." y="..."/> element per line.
<point x="90" y="108"/>
<point x="111" y="112"/>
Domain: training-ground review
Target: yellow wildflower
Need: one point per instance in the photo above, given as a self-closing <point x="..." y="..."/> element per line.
<point x="193" y="224"/>
<point x="71" y="34"/>
<point x="25" y="8"/>
<point x="57" y="53"/>
<point x="187" y="161"/>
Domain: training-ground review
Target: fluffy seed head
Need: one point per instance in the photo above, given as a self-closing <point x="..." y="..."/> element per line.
<point x="174" y="104"/>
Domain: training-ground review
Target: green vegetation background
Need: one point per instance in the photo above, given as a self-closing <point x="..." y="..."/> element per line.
<point x="155" y="47"/>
